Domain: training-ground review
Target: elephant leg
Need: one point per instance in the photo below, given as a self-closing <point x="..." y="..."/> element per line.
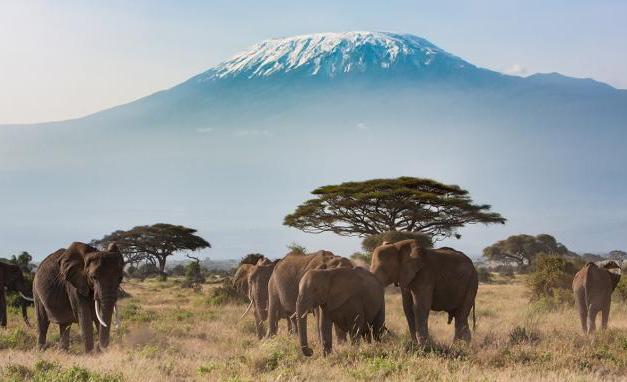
<point x="3" y="308"/>
<point x="605" y="315"/>
<point x="258" y="324"/>
<point x="64" y="336"/>
<point x="462" y="330"/>
<point x="422" y="308"/>
<point x="377" y="325"/>
<point x="273" y="316"/>
<point x="592" y="315"/>
<point x="408" y="308"/>
<point x="340" y="335"/>
<point x="582" y="308"/>
<point x="326" y="328"/>
<point x="294" y="330"/>
<point x="42" y="324"/>
<point x="85" y="322"/>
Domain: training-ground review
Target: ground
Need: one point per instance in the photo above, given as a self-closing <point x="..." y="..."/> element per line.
<point x="171" y="333"/>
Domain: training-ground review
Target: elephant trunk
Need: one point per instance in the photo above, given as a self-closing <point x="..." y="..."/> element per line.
<point x="302" y="307"/>
<point x="104" y="311"/>
<point x="25" y="314"/>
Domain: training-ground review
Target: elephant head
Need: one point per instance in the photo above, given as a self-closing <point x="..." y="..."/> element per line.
<point x="13" y="280"/>
<point x="397" y="263"/>
<point x="317" y="288"/>
<point x="96" y="275"/>
<point x="615" y="272"/>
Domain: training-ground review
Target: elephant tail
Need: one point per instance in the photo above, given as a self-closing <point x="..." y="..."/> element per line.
<point x="474" y="319"/>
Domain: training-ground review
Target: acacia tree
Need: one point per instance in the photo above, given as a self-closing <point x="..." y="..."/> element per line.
<point x="376" y="206"/>
<point x="523" y="249"/>
<point x="154" y="243"/>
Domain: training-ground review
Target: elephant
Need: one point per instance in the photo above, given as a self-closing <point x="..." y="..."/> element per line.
<point x="78" y="285"/>
<point x="283" y="286"/>
<point x="257" y="287"/>
<point x="240" y="279"/>
<point x="440" y="279"/>
<point x="13" y="280"/>
<point x="351" y="298"/>
<point x="593" y="287"/>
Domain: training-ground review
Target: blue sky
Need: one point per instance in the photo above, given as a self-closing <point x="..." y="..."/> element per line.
<point x="65" y="59"/>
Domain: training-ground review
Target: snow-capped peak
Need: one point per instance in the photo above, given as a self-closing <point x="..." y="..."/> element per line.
<point x="331" y="54"/>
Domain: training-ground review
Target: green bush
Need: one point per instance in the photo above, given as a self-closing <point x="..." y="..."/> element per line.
<point x="226" y="293"/>
<point x="16" y="339"/>
<point x="552" y="279"/>
<point x="523" y="335"/>
<point x="44" y="371"/>
<point x="194" y="273"/>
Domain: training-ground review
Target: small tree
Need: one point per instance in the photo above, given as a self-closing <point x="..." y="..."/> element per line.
<point x="154" y="242"/>
<point x="404" y="204"/>
<point x="23" y="261"/>
<point x="194" y="273"/>
<point x="297" y="248"/>
<point x="523" y="249"/>
<point x="552" y="278"/>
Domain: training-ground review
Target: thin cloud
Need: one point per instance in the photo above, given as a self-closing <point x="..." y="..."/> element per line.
<point x="517" y="70"/>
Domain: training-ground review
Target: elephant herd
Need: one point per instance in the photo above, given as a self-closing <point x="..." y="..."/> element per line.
<point x="351" y="299"/>
<point x="79" y="284"/>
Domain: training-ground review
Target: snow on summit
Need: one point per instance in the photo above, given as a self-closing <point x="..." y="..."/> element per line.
<point x="332" y="54"/>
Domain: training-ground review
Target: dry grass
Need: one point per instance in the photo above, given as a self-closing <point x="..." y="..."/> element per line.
<point x="169" y="333"/>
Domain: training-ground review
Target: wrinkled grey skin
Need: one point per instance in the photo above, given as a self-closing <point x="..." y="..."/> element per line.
<point x="258" y="279"/>
<point x="283" y="286"/>
<point x="12" y="279"/>
<point x="350" y="298"/>
<point x="593" y="287"/>
<point x="66" y="286"/>
<point x="430" y="279"/>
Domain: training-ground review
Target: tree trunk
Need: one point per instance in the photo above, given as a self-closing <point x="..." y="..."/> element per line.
<point x="162" y="274"/>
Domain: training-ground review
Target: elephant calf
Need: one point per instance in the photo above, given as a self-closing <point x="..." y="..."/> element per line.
<point x="350" y="298"/>
<point x="593" y="287"/>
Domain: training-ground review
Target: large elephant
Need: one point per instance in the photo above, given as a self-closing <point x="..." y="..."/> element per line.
<point x="12" y="279"/>
<point x="350" y="298"/>
<point x="283" y="285"/>
<point x="78" y="285"/>
<point x="593" y="287"/>
<point x="257" y="288"/>
<point x="430" y="279"/>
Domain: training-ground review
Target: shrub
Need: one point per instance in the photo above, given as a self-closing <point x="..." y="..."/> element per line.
<point x="226" y="293"/>
<point x="16" y="339"/>
<point x="621" y="288"/>
<point x="47" y="371"/>
<point x="362" y="257"/>
<point x="485" y="276"/>
<point x="523" y="335"/>
<point x="194" y="273"/>
<point x="551" y="276"/>
<point x="297" y="248"/>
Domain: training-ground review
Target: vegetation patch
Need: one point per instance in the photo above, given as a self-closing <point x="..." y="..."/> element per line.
<point x="16" y="339"/>
<point x="44" y="371"/>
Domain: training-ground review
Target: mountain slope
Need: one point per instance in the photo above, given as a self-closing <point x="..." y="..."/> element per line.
<point x="232" y="150"/>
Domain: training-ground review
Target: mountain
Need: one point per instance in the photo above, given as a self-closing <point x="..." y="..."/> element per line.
<point x="235" y="148"/>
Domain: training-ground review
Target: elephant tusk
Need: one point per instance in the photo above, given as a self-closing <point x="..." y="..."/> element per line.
<point x="304" y="315"/>
<point x="98" y="314"/>
<point x="25" y="298"/>
<point x="247" y="309"/>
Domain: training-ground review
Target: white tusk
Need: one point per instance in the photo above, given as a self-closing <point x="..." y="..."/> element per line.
<point x="98" y="314"/>
<point x="304" y="315"/>
<point x="26" y="298"/>
<point x="247" y="309"/>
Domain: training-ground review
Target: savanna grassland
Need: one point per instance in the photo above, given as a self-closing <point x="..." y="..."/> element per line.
<point x="169" y="333"/>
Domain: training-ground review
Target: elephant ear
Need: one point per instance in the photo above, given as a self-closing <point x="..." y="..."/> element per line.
<point x="72" y="267"/>
<point x="410" y="257"/>
<point x="341" y="288"/>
